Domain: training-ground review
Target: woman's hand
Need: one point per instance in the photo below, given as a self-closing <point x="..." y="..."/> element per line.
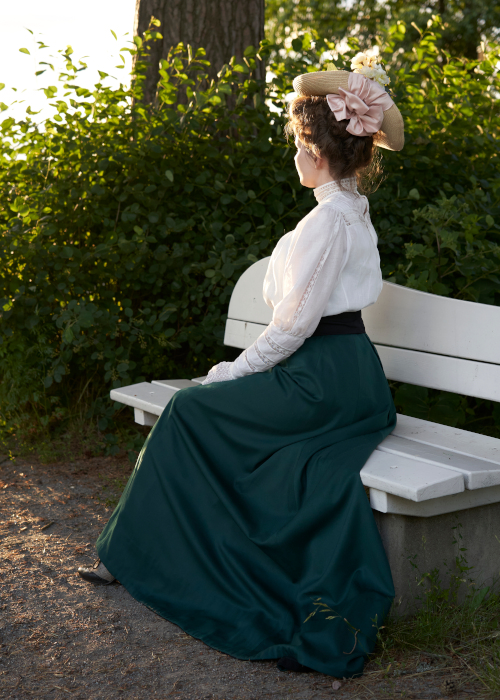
<point x="219" y="373"/>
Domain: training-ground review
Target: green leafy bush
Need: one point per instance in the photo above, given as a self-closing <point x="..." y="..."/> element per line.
<point x="125" y="226"/>
<point x="443" y="205"/>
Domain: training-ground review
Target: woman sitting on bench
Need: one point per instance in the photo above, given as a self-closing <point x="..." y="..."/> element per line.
<point x="245" y="521"/>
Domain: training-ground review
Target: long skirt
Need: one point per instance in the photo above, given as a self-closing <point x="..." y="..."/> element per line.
<point x="245" y="521"/>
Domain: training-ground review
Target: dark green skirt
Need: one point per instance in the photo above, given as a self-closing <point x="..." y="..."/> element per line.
<point x="245" y="512"/>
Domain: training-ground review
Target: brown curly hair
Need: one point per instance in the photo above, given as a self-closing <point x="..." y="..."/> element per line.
<point x="313" y="122"/>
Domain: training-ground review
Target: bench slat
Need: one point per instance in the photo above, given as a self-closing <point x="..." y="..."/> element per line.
<point x="407" y="318"/>
<point x="241" y="334"/>
<point x="409" y="478"/>
<point x="389" y="503"/>
<point x="438" y="372"/>
<point x="477" y="473"/>
<point x="247" y="302"/>
<point x="460" y="441"/>
<point x="175" y="384"/>
<point x="145" y="396"/>
<point x="150" y="399"/>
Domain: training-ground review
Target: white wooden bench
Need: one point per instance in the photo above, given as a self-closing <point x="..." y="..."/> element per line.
<point x="425" y="478"/>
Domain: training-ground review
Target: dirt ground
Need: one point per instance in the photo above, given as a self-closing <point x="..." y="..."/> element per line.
<point x="61" y="637"/>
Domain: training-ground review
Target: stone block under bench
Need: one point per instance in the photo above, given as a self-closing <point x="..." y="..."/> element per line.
<point x="417" y="545"/>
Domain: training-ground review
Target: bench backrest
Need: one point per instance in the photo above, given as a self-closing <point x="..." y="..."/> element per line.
<point x="422" y="339"/>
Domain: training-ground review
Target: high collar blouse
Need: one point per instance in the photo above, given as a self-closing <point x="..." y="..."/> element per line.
<point x="327" y="265"/>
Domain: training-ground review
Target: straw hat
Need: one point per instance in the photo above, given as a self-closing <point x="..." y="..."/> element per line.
<point x="391" y="133"/>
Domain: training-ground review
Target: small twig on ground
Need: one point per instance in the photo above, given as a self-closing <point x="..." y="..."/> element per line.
<point x="437" y="656"/>
<point x="366" y="688"/>
<point x="432" y="670"/>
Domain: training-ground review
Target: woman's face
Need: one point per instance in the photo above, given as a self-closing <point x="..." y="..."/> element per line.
<point x="313" y="172"/>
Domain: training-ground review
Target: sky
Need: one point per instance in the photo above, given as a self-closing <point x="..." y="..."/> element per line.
<point x="85" y="26"/>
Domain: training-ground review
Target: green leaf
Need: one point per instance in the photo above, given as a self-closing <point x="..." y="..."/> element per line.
<point x="169" y="175"/>
<point x="86" y="319"/>
<point x="414" y="194"/>
<point x="412" y="400"/>
<point x="479" y="597"/>
<point x="24" y="51"/>
<point x="227" y="270"/>
<point x="68" y="335"/>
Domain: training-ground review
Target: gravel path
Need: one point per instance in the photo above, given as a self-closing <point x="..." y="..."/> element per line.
<point x="61" y="637"/>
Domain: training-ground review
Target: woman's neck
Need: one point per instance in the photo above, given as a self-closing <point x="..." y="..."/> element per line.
<point x="331" y="187"/>
<point x="323" y="178"/>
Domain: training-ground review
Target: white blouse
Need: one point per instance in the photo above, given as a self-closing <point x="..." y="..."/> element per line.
<point x="329" y="264"/>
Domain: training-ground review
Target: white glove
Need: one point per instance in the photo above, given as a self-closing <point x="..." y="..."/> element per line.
<point x="219" y="373"/>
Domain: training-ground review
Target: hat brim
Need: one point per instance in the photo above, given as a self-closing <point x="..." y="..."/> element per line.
<point x="391" y="134"/>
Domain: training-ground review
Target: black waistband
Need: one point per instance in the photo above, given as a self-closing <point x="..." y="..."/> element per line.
<point x="348" y="323"/>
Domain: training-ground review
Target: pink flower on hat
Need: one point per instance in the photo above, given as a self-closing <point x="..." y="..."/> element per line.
<point x="363" y="103"/>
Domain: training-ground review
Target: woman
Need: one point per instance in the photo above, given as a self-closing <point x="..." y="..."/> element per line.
<point x="245" y="521"/>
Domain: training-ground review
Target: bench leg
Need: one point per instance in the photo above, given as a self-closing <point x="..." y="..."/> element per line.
<point x="144" y="418"/>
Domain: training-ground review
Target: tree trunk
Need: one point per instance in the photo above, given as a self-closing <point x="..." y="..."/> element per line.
<point x="224" y="28"/>
<point x="471" y="31"/>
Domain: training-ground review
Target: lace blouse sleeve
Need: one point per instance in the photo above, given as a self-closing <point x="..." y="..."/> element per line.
<point x="316" y="256"/>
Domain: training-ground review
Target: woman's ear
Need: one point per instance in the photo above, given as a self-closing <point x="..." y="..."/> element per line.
<point x="320" y="163"/>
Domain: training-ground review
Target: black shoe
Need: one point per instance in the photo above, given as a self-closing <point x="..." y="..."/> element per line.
<point x="89" y="574"/>
<point x="286" y="663"/>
